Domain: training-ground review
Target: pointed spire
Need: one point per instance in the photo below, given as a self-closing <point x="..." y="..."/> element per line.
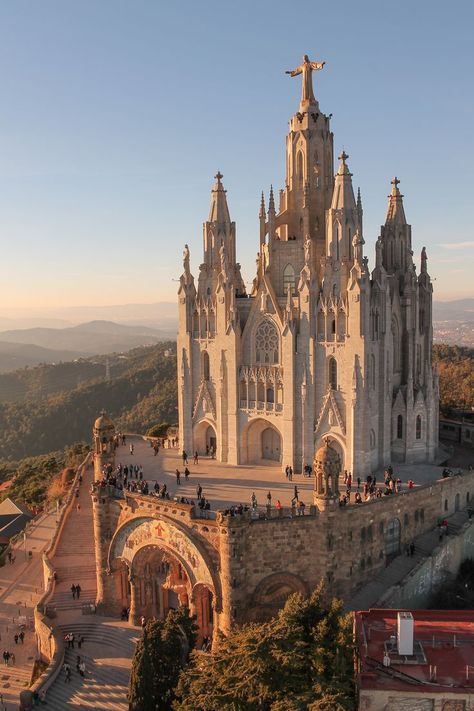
<point x="219" y="212"/>
<point x="271" y="203"/>
<point x="343" y="195"/>
<point x="395" y="212"/>
<point x="271" y="215"/>
<point x="262" y="212"/>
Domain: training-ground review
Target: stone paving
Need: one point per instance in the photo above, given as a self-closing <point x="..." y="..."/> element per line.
<point x="225" y="485"/>
<point x="21" y="586"/>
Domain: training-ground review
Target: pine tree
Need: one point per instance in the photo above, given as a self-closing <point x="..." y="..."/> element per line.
<point x="158" y="660"/>
<point x="302" y="659"/>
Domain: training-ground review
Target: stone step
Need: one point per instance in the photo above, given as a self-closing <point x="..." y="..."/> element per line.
<point x="67" y="595"/>
<point x="104" y="687"/>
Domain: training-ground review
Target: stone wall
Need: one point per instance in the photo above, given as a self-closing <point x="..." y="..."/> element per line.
<point x="417" y="588"/>
<point x="255" y="563"/>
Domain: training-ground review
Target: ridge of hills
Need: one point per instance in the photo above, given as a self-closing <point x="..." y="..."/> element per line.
<point x="48" y="407"/>
<point x="31" y="346"/>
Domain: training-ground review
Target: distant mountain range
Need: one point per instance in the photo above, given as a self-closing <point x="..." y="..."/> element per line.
<point x="30" y="346"/>
<point x="459" y="310"/>
<point x="53" y="335"/>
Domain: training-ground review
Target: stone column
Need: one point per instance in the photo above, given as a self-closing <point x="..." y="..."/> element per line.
<point x="134" y="600"/>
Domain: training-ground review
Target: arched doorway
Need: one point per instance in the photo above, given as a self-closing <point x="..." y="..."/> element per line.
<point x="159" y="583"/>
<point x="205" y="438"/>
<point x="271" y="444"/>
<point x="271" y="594"/>
<point x="261" y="443"/>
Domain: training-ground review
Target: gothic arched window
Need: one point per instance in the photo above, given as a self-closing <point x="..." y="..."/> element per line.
<point x="399" y="427"/>
<point x="205" y="366"/>
<point x="333" y="373"/>
<point x="267" y="343"/>
<point x="418" y="427"/>
<point x="289" y="278"/>
<point x="299" y="166"/>
<point x="396" y="344"/>
<point x="372" y="439"/>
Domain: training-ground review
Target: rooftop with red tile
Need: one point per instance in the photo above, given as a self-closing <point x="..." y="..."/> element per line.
<point x="446" y="641"/>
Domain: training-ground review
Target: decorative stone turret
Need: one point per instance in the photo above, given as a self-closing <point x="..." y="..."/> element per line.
<point x="327" y="467"/>
<point x="104" y="434"/>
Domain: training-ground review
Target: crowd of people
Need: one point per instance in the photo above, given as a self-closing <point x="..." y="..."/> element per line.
<point x="369" y="490"/>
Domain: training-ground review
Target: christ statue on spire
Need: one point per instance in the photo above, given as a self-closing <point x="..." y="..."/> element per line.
<point x="306" y="68"/>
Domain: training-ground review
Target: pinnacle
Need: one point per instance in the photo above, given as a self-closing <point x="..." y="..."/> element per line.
<point x="271" y="203"/>
<point x="343" y="167"/>
<point x="396" y="212"/>
<point x="219" y="212"/>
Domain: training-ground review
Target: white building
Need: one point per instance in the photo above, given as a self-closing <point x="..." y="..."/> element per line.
<point x="322" y="347"/>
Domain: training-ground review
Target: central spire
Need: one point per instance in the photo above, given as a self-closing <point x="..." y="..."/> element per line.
<point x="219" y="212"/>
<point x="306" y="68"/>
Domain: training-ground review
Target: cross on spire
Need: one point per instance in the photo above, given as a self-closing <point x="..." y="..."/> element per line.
<point x="344" y="156"/>
<point x="218" y="176"/>
<point x="395" y="182"/>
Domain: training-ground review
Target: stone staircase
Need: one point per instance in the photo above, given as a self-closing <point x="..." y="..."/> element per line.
<point x="74" y="573"/>
<point x="74" y="560"/>
<point x="107" y="651"/>
<point x="63" y="600"/>
<point x="399" y="568"/>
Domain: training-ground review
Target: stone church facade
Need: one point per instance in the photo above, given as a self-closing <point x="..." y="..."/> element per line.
<point x="321" y="347"/>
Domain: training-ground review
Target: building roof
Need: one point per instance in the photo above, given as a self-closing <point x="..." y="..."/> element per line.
<point x="13" y="526"/>
<point x="13" y="517"/>
<point x="443" y="639"/>
<point x="8" y="506"/>
<point x="103" y="422"/>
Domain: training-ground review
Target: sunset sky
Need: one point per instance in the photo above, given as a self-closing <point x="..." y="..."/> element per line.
<point x="116" y="115"/>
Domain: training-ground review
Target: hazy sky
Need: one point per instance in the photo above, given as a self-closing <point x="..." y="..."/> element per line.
<point x="116" y="115"/>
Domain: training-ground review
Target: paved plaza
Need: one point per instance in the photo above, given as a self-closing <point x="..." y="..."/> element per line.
<point x="226" y="485"/>
<point x="21" y="586"/>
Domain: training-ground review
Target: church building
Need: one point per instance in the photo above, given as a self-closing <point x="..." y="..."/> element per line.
<point x="321" y="348"/>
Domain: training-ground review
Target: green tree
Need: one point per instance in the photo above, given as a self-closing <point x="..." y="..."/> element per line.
<point x="301" y="659"/>
<point x="159" y="657"/>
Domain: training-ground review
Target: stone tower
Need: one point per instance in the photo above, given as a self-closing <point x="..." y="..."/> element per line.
<point x="321" y="348"/>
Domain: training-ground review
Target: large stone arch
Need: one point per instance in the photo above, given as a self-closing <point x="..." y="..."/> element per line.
<point x="271" y="594"/>
<point x="258" y="447"/>
<point x="204" y="436"/>
<point x="167" y="534"/>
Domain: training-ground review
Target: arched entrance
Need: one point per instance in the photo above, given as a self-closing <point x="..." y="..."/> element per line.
<point x="261" y="443"/>
<point x="205" y="438"/>
<point x="271" y="594"/>
<point x="159" y="566"/>
<point x="271" y="444"/>
<point x="159" y="583"/>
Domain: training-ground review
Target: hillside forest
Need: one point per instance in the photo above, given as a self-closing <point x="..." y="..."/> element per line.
<point x="47" y="411"/>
